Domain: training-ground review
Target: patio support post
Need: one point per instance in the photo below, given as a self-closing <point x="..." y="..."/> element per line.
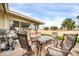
<point x="36" y="28"/>
<point x="19" y="25"/>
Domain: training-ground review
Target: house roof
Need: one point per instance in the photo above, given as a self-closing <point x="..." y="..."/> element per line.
<point x="21" y="15"/>
<point x="25" y="17"/>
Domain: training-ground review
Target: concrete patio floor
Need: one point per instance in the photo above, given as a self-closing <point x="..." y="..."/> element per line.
<point x="18" y="51"/>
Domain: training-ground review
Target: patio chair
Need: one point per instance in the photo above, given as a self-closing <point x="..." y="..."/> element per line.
<point x="54" y="34"/>
<point x="23" y="39"/>
<point x="33" y="38"/>
<point x="54" y="40"/>
<point x="67" y="44"/>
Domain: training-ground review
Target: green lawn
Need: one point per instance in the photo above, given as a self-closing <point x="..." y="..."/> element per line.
<point x="60" y="37"/>
<point x="78" y="40"/>
<point x="45" y="34"/>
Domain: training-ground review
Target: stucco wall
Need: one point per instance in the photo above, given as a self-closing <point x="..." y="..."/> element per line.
<point x="1" y="7"/>
<point x="4" y="24"/>
<point x="1" y="16"/>
<point x="1" y="20"/>
<point x="5" y="18"/>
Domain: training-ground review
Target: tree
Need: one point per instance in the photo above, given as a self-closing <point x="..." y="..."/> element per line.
<point x="68" y="23"/>
<point x="46" y="28"/>
<point x="77" y="17"/>
<point x="77" y="26"/>
<point x="53" y="28"/>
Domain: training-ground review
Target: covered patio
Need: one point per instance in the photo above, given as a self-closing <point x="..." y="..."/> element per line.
<point x="21" y="22"/>
<point x="19" y="51"/>
<point x="30" y="42"/>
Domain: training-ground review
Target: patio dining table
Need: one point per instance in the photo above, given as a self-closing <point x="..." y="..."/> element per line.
<point x="41" y="41"/>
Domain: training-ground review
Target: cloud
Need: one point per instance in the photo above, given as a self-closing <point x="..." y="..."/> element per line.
<point x="57" y="21"/>
<point x="21" y="12"/>
<point x="75" y="10"/>
<point x="52" y="14"/>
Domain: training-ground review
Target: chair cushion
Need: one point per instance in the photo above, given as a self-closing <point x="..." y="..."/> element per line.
<point x="34" y="48"/>
<point x="69" y="42"/>
<point x="55" y="51"/>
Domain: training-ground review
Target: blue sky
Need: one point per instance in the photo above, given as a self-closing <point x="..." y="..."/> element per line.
<point x="52" y="14"/>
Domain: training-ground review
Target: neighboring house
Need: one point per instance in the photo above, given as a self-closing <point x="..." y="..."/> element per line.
<point x="9" y="18"/>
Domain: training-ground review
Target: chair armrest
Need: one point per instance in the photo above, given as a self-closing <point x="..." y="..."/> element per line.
<point x="71" y="54"/>
<point x="61" y="43"/>
<point x="57" y="50"/>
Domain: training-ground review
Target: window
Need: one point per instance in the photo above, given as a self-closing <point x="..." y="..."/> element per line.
<point x="25" y="25"/>
<point x="14" y="23"/>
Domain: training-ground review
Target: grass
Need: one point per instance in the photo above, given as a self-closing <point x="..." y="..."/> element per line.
<point x="60" y="37"/>
<point x="77" y="43"/>
<point x="78" y="40"/>
<point x="45" y="34"/>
